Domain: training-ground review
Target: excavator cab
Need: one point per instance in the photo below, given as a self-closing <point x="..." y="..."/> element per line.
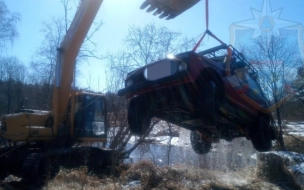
<point x="88" y="116"/>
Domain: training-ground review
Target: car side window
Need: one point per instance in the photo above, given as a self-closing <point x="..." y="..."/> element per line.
<point x="240" y="68"/>
<point x="242" y="74"/>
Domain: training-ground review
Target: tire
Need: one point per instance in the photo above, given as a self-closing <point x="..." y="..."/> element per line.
<point x="200" y="145"/>
<point x="261" y="135"/>
<point x="138" y="116"/>
<point x="207" y="103"/>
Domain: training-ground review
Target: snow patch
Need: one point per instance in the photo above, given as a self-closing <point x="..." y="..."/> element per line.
<point x="295" y="128"/>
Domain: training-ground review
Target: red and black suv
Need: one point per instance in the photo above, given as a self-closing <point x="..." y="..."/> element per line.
<point x="214" y="93"/>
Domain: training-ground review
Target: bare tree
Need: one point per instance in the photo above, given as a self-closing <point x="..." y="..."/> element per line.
<point x="142" y="46"/>
<point x="119" y="133"/>
<point x="299" y="84"/>
<point x="44" y="61"/>
<point x="8" y="22"/>
<point x="277" y="60"/>
<point x="152" y="43"/>
<point x="90" y="81"/>
<point x="12" y="80"/>
<point x="293" y="109"/>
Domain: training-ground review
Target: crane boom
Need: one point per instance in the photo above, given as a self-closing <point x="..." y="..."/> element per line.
<point x="67" y="54"/>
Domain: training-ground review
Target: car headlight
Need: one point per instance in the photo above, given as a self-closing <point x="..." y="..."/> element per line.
<point x="129" y="82"/>
<point x="182" y="66"/>
<point x="170" y="56"/>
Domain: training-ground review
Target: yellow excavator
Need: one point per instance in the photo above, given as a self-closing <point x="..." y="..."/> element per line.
<point x="38" y="139"/>
<point x="76" y="115"/>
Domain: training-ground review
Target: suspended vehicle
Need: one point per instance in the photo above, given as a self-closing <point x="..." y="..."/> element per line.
<point x="214" y="93"/>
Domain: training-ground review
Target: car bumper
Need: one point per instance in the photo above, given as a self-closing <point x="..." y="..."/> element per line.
<point x="148" y="86"/>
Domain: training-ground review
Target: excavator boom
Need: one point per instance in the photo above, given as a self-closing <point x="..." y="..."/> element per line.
<point x="67" y="54"/>
<point x="168" y="9"/>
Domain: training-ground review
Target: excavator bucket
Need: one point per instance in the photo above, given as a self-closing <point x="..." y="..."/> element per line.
<point x="168" y="9"/>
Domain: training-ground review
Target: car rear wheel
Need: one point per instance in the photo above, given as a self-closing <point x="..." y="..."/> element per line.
<point x="261" y="135"/>
<point x="199" y="143"/>
<point x="138" y="116"/>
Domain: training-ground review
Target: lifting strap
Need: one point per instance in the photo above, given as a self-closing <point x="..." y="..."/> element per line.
<point x="207" y="15"/>
<point x="207" y="29"/>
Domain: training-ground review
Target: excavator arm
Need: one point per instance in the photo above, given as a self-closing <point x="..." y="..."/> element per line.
<point x="67" y="54"/>
<point x="168" y="9"/>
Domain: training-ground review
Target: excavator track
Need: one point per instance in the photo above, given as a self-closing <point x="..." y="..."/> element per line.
<point x="38" y="167"/>
<point x="35" y="167"/>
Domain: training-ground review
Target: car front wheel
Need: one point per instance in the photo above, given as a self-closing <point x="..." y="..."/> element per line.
<point x="138" y="116"/>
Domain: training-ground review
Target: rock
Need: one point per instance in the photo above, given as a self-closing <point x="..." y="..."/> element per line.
<point x="132" y="184"/>
<point x="11" y="178"/>
<point x="298" y="171"/>
<point x="272" y="167"/>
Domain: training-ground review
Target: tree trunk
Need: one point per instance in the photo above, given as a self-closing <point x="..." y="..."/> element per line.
<point x="280" y="136"/>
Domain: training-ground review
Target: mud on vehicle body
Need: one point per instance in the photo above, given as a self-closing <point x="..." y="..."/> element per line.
<point x="214" y="93"/>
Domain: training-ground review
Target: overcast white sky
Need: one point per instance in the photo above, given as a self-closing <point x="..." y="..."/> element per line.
<point x="118" y="15"/>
